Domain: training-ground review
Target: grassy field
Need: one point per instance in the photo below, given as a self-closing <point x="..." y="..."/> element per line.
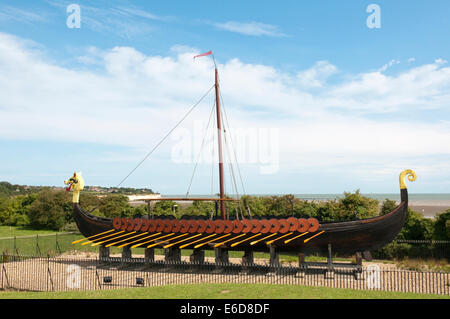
<point x="11" y="231"/>
<point x="221" y="291"/>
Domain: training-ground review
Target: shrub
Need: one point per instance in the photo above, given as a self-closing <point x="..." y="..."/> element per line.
<point x="392" y="251"/>
<point x="51" y="209"/>
<point x="304" y="208"/>
<point x="416" y="227"/>
<point x="115" y="205"/>
<point x="442" y="226"/>
<point x="356" y="206"/>
<point x="387" y="206"/>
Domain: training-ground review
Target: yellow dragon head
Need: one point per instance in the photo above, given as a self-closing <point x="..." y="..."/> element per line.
<point x="76" y="183"/>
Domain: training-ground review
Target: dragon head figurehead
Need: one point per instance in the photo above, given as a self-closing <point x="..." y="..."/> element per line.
<point x="76" y="183"/>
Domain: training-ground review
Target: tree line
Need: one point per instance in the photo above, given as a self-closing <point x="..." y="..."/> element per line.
<point x="52" y="209"/>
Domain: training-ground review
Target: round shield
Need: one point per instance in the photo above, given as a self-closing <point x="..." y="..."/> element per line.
<point x="293" y="223"/>
<point x="117" y="223"/>
<point x="145" y="224"/>
<point x="220" y="226"/>
<point x="151" y="225"/>
<point x="184" y="226"/>
<point x="176" y="226"/>
<point x="124" y="224"/>
<point x="274" y="225"/>
<point x="137" y="224"/>
<point x="201" y="226"/>
<point x="247" y="225"/>
<point x="210" y="227"/>
<point x="193" y="226"/>
<point x="159" y="225"/>
<point x="284" y="226"/>
<point x="167" y="225"/>
<point x="265" y="226"/>
<point x="237" y="226"/>
<point x="313" y="225"/>
<point x="256" y="226"/>
<point x="302" y="225"/>
<point x="228" y="226"/>
<point x="130" y="225"/>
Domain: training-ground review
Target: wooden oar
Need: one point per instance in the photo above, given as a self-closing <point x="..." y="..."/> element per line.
<point x="90" y="237"/>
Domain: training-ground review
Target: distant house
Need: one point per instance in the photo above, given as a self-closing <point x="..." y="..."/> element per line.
<point x="134" y="198"/>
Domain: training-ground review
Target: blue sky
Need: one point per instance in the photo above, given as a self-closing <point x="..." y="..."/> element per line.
<point x="345" y="106"/>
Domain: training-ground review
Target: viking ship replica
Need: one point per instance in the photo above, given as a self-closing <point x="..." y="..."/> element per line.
<point x="223" y="233"/>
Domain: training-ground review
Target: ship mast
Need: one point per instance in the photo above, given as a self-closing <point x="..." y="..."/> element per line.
<point x="219" y="138"/>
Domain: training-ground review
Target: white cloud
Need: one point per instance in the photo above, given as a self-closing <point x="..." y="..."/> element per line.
<point x="136" y="12"/>
<point x="134" y="99"/>
<point x="20" y="15"/>
<point x="250" y="28"/>
<point x="125" y="22"/>
<point x="317" y="74"/>
<point x="388" y="65"/>
<point x="422" y="87"/>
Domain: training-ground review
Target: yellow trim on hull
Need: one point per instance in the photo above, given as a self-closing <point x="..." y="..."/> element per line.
<point x="411" y="177"/>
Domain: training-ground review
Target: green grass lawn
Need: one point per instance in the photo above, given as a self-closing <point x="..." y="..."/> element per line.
<point x="219" y="291"/>
<point x="11" y="231"/>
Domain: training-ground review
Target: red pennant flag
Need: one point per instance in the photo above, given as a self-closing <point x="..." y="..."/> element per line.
<point x="203" y="54"/>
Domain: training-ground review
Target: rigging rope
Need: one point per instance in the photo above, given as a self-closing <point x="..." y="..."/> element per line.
<point x="226" y="124"/>
<point x="232" y="144"/>
<point x="167" y="135"/>
<point x="200" y="152"/>
<point x="213" y="136"/>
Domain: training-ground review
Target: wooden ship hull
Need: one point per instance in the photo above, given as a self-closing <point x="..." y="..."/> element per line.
<point x="286" y="235"/>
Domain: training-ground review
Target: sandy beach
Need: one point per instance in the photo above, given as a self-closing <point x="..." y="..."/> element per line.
<point x="429" y="208"/>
